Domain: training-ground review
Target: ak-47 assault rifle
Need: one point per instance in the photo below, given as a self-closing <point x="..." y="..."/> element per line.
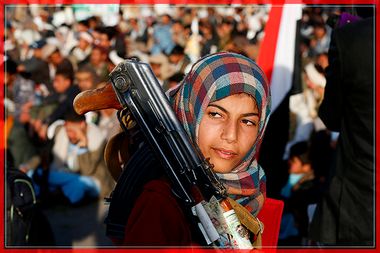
<point x="191" y="176"/>
<point x="138" y="94"/>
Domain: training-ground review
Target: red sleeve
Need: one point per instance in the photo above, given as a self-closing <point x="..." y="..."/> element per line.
<point x="157" y="219"/>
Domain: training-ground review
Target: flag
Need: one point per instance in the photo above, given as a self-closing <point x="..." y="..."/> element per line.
<point x="276" y="56"/>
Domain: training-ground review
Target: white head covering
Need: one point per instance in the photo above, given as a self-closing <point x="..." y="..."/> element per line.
<point x="314" y="76"/>
<point x="86" y="36"/>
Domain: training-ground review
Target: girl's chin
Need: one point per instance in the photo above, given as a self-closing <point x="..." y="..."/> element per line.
<point x="222" y="168"/>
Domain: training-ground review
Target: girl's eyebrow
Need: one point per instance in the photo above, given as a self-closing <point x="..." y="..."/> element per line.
<point x="243" y="115"/>
<point x="219" y="107"/>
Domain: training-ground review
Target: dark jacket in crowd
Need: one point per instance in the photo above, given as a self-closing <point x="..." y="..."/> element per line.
<point x="38" y="70"/>
<point x="65" y="103"/>
<point x="346" y="214"/>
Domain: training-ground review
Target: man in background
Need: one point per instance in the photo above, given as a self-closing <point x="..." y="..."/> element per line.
<point x="345" y="216"/>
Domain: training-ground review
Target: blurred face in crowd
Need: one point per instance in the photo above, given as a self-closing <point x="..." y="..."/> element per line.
<point x="97" y="57"/>
<point x="228" y="130"/>
<point x="61" y="83"/>
<point x="104" y="41"/>
<point x="92" y="23"/>
<point x="24" y="116"/>
<point x="37" y="52"/>
<point x="323" y="60"/>
<point x="175" y="58"/>
<point x="81" y="28"/>
<point x="55" y="58"/>
<point x="156" y="68"/>
<point x="83" y="44"/>
<point x="295" y="165"/>
<point x="226" y="28"/>
<point x="133" y="23"/>
<point x="85" y="80"/>
<point x="9" y="78"/>
<point x="165" y="20"/>
<point x="96" y="36"/>
<point x="319" y="32"/>
<point x="206" y="31"/>
<point x="177" y="28"/>
<point x="74" y="130"/>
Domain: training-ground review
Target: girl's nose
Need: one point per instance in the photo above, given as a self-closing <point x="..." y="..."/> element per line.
<point x="229" y="132"/>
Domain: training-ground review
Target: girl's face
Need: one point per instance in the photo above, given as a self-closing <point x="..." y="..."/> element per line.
<point x="228" y="130"/>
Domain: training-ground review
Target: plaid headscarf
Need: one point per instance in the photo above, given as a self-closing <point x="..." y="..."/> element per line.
<point x="215" y="77"/>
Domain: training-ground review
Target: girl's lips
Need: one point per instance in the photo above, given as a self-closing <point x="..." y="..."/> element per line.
<point x="224" y="154"/>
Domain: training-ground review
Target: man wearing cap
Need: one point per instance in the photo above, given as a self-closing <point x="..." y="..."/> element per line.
<point x="57" y="63"/>
<point x="161" y="67"/>
<point x="80" y="54"/>
<point x="36" y="66"/>
<point x="304" y="106"/>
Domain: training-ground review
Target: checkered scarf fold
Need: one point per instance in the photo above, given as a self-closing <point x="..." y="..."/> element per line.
<point x="215" y="77"/>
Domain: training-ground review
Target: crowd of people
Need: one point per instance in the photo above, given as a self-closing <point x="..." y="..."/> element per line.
<point x="50" y="58"/>
<point x="47" y="65"/>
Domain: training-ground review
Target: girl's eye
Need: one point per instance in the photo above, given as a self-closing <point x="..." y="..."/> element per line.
<point x="214" y="115"/>
<point x="249" y="122"/>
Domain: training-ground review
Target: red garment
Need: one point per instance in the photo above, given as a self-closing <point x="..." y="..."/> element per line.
<point x="157" y="219"/>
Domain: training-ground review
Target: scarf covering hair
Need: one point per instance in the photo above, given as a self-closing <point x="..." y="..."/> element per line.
<point x="215" y="77"/>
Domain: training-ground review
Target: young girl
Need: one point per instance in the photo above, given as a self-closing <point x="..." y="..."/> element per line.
<point x="223" y="104"/>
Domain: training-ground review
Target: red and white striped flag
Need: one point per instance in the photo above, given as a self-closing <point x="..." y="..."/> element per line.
<point x="276" y="56"/>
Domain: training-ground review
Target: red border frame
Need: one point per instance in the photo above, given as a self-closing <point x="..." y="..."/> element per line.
<point x="169" y="250"/>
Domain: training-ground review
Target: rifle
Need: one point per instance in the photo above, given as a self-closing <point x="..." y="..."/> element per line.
<point x="140" y="96"/>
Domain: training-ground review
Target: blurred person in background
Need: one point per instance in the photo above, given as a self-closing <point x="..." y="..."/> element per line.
<point x="98" y="62"/>
<point x="161" y="67"/>
<point x="163" y="42"/>
<point x="210" y="39"/>
<point x="57" y="105"/>
<point x="322" y="60"/>
<point x="78" y="168"/>
<point x="80" y="54"/>
<point x="36" y="66"/>
<point x="225" y="30"/>
<point x="304" y="106"/>
<point x="345" y="216"/>
<point x="108" y="122"/>
<point x="178" y="34"/>
<point x="320" y="40"/>
<point x="180" y="60"/>
<point x="57" y="62"/>
<point x="19" y="97"/>
<point x="86" y="79"/>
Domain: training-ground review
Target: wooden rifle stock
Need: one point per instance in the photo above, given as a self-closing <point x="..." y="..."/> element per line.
<point x="97" y="99"/>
